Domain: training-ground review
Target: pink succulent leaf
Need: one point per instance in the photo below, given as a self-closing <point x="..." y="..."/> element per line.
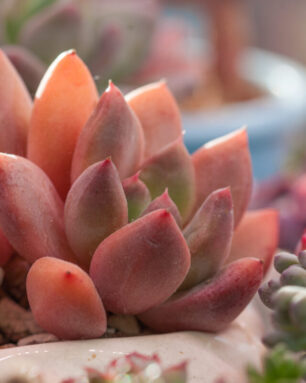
<point x="64" y="101"/>
<point x="6" y="250"/>
<point x="209" y="237"/>
<point x="161" y="122"/>
<point x="164" y="202"/>
<point x="31" y="211"/>
<point x="137" y="195"/>
<point x="65" y="303"/>
<point x="257" y="237"/>
<point x="225" y="162"/>
<point x="210" y="306"/>
<point x="15" y="111"/>
<point x="112" y="130"/>
<point x="95" y="207"/>
<point x="133" y="363"/>
<point x="140" y="265"/>
<point x="59" y="24"/>
<point x="172" y="168"/>
<point x="30" y="68"/>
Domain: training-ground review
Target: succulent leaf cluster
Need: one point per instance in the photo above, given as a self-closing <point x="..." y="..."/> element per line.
<point x="286" y="296"/>
<point x="113" y="37"/>
<point x="279" y="366"/>
<point x="102" y="197"/>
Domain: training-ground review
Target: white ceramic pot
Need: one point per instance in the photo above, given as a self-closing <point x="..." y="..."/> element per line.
<point x="210" y="356"/>
<point x="272" y="120"/>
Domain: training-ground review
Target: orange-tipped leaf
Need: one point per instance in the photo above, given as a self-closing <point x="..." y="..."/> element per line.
<point x="64" y="101"/>
<point x="158" y="113"/>
<point x="225" y="162"/>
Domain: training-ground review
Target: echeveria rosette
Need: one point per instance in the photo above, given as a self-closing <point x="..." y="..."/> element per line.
<point x="112" y="37"/>
<point x="132" y="368"/>
<point x="286" y="297"/>
<point x="110" y="204"/>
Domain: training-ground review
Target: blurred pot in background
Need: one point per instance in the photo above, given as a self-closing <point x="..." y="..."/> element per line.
<point x="113" y="37"/>
<point x="245" y="86"/>
<point x="279" y="26"/>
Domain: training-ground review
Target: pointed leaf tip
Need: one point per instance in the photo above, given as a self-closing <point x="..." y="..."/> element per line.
<point x="112" y="130"/>
<point x="161" y="122"/>
<point x="65" y="99"/>
<point x="164" y="202"/>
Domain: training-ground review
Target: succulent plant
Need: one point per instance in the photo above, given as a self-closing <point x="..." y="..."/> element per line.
<point x="133" y="368"/>
<point x="111" y="36"/>
<point x="286" y="296"/>
<point x="114" y="213"/>
<point x="286" y="193"/>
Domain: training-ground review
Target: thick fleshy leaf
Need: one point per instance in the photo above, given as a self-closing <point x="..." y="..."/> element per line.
<point x="172" y="168"/>
<point x="6" y="250"/>
<point x="64" y="100"/>
<point x="95" y="207"/>
<point x="112" y="130"/>
<point x="29" y="67"/>
<point x="164" y="202"/>
<point x="225" y="162"/>
<point x="64" y="301"/>
<point x="210" y="306"/>
<point x="209" y="237"/>
<point x="31" y="211"/>
<point x="15" y="109"/>
<point x="141" y="264"/>
<point x="159" y="115"/>
<point x="137" y="195"/>
<point x="256" y="236"/>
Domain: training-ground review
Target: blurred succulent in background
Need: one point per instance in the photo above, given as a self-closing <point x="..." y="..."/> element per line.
<point x="132" y="368"/>
<point x="286" y="297"/>
<point x="279" y="366"/>
<point x="113" y="37"/>
<point x="109" y="185"/>
<point x="287" y="194"/>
